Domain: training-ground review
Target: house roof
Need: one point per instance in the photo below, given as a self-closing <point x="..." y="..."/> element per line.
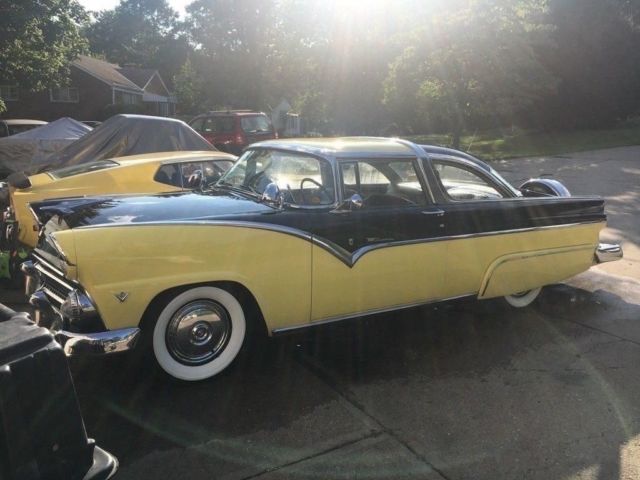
<point x="139" y="76"/>
<point x="107" y="72"/>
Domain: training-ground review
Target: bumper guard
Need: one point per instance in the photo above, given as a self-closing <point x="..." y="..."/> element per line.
<point x="608" y="252"/>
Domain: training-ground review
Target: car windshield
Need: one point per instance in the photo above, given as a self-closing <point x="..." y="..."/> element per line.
<point x="83" y="168"/>
<point x="303" y="179"/>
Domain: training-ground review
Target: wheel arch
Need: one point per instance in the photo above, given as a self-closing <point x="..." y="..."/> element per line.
<point x="256" y="323"/>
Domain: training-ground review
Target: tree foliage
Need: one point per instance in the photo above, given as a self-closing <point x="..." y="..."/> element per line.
<point x="473" y="63"/>
<point x="38" y="40"/>
<point x="143" y="33"/>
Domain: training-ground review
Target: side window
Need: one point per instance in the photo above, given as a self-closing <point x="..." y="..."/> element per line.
<point x="461" y="184"/>
<point x="214" y="170"/>
<point x="169" y="175"/>
<point x="383" y="183"/>
<point x="190" y="174"/>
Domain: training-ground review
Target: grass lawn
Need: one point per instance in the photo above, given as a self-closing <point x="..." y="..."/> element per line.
<point x="521" y="143"/>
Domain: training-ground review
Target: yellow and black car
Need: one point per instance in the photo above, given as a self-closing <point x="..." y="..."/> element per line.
<point x="300" y="233"/>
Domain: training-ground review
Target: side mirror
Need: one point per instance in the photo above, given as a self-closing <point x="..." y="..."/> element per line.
<point x="273" y="194"/>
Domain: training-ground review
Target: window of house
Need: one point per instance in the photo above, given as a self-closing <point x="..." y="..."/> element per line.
<point x="64" y="94"/>
<point x="9" y="93"/>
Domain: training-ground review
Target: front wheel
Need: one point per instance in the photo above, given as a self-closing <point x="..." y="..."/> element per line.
<point x="199" y="333"/>
<point x="523" y="299"/>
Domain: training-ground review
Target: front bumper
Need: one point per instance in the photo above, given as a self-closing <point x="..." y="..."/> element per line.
<point x="608" y="252"/>
<point x="73" y="343"/>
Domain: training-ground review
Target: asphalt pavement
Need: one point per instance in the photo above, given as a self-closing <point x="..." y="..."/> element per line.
<point x="461" y="390"/>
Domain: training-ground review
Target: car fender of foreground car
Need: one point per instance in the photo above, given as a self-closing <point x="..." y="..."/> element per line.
<point x="300" y="233"/>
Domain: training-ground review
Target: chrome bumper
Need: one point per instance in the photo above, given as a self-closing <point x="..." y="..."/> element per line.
<point x="101" y="343"/>
<point x="608" y="252"/>
<point x="77" y="344"/>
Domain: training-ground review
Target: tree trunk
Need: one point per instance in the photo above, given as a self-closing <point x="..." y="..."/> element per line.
<point x="456" y="134"/>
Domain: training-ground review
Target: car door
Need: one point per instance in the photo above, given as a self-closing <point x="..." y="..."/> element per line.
<point x="380" y="256"/>
<point x="486" y="223"/>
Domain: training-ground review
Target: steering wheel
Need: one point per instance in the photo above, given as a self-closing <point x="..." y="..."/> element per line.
<point x="322" y="188"/>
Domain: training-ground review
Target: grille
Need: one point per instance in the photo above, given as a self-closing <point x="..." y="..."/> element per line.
<point x="54" y="285"/>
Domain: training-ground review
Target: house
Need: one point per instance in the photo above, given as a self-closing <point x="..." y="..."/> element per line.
<point x="96" y="90"/>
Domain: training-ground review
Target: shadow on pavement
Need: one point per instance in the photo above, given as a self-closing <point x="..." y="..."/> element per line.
<point x="476" y="389"/>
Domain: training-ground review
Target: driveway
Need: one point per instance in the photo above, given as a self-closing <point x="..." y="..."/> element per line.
<point x="462" y="390"/>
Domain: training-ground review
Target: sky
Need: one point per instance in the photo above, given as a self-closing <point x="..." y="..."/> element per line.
<point x="178" y="5"/>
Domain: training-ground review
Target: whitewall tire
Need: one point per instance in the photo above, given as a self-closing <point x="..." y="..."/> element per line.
<point x="199" y="333"/>
<point x="523" y="299"/>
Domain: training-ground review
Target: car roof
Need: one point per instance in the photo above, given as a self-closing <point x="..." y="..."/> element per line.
<point x="173" y="157"/>
<point x="343" y="147"/>
<point x="228" y="113"/>
<point x="22" y="121"/>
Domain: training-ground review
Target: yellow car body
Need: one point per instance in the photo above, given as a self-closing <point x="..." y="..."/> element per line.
<point x="131" y="174"/>
<point x="301" y="233"/>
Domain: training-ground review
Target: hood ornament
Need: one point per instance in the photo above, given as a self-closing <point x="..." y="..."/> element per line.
<point x="122" y="296"/>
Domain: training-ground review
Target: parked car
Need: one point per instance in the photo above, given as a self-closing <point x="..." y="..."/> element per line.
<point x="232" y="130"/>
<point x="296" y="234"/>
<point x="10" y="127"/>
<point x="147" y="173"/>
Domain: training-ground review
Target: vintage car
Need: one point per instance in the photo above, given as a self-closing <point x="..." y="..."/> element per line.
<point x="147" y="173"/>
<point x="300" y="233"/>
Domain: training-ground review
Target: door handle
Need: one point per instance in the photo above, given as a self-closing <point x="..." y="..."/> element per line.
<point x="435" y="212"/>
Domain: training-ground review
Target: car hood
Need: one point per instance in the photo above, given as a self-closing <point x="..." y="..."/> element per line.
<point x="103" y="210"/>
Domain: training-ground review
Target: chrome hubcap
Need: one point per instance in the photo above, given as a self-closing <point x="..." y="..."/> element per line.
<point x="198" y="332"/>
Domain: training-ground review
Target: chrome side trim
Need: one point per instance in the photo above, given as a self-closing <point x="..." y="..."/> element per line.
<point x="375" y="311"/>
<point x="349" y="259"/>
<point x="608" y="252"/>
<point x="102" y="343"/>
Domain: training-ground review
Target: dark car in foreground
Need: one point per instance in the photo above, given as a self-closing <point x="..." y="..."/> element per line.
<point x="300" y="233"/>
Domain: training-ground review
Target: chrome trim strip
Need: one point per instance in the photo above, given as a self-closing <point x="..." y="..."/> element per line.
<point x="53" y="295"/>
<point x="608" y="252"/>
<point x="375" y="311"/>
<point x="46" y="263"/>
<point x="349" y="259"/>
<point x="44" y="271"/>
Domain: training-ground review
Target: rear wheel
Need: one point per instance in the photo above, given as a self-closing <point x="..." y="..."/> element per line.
<point x="523" y="299"/>
<point x="199" y="333"/>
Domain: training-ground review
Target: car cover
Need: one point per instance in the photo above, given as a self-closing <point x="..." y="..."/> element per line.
<point x="124" y="135"/>
<point x="19" y="152"/>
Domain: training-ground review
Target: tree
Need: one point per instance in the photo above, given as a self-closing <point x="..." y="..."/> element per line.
<point x="596" y="61"/>
<point x="144" y="33"/>
<point x="473" y="64"/>
<point x="38" y="40"/>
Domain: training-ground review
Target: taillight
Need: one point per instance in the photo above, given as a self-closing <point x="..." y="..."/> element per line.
<point x="238" y="139"/>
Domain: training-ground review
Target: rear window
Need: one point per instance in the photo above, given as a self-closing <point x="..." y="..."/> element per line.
<point x="83" y="168"/>
<point x="257" y="124"/>
<point x="214" y="125"/>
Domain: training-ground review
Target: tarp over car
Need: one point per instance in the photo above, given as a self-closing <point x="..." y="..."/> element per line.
<point x="124" y="135"/>
<point x="19" y="152"/>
